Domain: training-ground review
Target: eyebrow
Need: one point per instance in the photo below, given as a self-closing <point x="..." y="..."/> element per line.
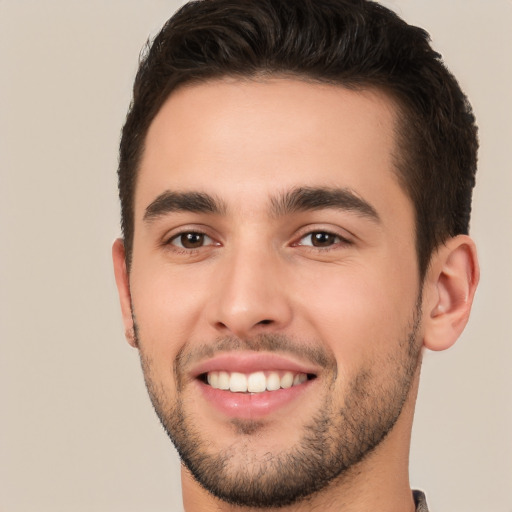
<point x="311" y="198"/>
<point x="194" y="202"/>
<point x="300" y="199"/>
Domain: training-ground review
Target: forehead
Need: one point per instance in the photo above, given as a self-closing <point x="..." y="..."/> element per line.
<point x="244" y="140"/>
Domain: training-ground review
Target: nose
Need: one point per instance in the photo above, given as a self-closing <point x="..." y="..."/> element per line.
<point x="251" y="294"/>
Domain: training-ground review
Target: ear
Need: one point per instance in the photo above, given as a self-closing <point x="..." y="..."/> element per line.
<point x="450" y="286"/>
<point x="123" y="288"/>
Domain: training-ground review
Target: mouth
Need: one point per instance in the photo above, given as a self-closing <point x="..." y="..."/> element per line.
<point x="248" y="385"/>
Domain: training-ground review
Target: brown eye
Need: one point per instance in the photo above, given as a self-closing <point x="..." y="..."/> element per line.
<point x="322" y="239"/>
<point x="191" y="240"/>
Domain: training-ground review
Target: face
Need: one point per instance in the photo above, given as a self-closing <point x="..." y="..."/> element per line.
<point x="274" y="283"/>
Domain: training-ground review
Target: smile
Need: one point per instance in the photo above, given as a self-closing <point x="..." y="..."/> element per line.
<point x="256" y="382"/>
<point x="249" y="385"/>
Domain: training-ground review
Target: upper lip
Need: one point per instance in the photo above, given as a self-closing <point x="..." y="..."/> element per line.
<point x="250" y="362"/>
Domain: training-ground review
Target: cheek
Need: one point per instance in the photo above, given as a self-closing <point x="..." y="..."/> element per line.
<point x="360" y="312"/>
<point x="167" y="307"/>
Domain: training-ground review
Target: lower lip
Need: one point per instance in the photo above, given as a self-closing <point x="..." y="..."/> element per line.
<point x="252" y="405"/>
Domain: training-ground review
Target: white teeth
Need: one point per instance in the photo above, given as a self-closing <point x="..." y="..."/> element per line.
<point x="287" y="380"/>
<point x="223" y="380"/>
<point x="238" y="382"/>
<point x="256" y="382"/>
<point x="273" y="382"/>
<point x="299" y="379"/>
<point x="213" y="379"/>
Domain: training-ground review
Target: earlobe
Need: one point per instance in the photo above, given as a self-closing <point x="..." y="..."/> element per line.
<point x="451" y="284"/>
<point x="123" y="288"/>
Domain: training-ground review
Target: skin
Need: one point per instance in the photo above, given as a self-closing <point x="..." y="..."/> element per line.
<point x="257" y="272"/>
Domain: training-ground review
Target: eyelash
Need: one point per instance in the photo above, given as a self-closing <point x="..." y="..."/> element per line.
<point x="338" y="240"/>
<point x="188" y="250"/>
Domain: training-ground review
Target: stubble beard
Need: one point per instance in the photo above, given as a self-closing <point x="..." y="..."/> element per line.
<point x="334" y="441"/>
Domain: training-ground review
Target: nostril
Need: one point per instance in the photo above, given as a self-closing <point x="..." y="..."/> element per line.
<point x="265" y="322"/>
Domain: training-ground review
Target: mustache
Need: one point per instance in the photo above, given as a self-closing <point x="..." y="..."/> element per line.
<point x="268" y="342"/>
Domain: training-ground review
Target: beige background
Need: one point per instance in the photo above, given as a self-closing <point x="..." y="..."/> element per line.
<point x="77" y="433"/>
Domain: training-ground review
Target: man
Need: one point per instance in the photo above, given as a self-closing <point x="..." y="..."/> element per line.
<point x="295" y="180"/>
